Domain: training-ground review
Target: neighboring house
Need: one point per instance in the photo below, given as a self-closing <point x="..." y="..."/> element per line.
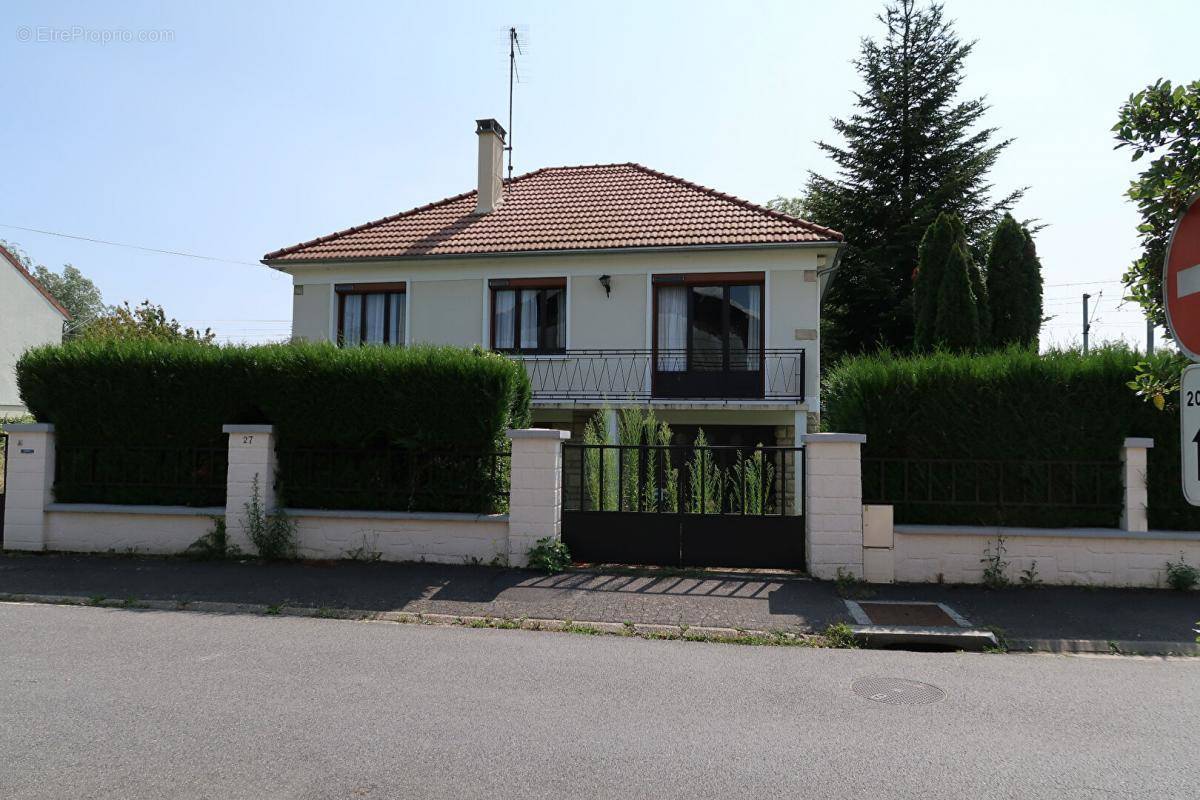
<point x="615" y="284"/>
<point x="29" y="316"/>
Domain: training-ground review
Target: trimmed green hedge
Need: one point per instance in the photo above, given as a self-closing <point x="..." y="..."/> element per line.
<point x="1011" y="405"/>
<point x="116" y="393"/>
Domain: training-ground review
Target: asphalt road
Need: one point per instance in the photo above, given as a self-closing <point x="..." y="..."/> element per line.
<point x="107" y="703"/>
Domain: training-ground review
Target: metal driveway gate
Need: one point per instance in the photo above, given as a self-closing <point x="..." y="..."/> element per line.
<point x="686" y="506"/>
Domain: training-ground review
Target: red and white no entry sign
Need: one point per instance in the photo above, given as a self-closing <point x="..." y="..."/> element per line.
<point x="1181" y="281"/>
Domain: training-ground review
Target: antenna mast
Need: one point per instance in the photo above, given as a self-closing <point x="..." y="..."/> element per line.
<point x="514" y="47"/>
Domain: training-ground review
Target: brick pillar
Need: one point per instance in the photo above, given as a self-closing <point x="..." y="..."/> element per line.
<point x="29" y="486"/>
<point x="1134" y="515"/>
<point x="251" y="456"/>
<point x="834" y="512"/>
<point x="535" y="490"/>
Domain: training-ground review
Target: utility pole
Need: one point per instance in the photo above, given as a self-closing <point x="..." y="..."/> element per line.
<point x="1149" y="336"/>
<point x="1087" y="325"/>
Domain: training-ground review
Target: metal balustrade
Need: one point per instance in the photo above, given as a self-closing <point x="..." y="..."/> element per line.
<point x="768" y="374"/>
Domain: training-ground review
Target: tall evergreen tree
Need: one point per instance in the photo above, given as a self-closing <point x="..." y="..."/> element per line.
<point x="936" y="245"/>
<point x="1031" y="269"/>
<point x="983" y="306"/>
<point x="912" y="150"/>
<point x="1007" y="284"/>
<point x="957" y="323"/>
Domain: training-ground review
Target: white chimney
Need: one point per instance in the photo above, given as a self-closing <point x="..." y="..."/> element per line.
<point x="491" y="165"/>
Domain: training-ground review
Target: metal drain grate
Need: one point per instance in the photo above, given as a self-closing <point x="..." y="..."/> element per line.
<point x="897" y="691"/>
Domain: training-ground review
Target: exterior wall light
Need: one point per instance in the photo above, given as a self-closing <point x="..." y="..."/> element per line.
<point x="606" y="282"/>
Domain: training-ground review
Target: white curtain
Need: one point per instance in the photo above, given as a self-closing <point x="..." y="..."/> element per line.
<point x="506" y="306"/>
<point x="754" y="339"/>
<point x="396" y="332"/>
<point x="529" y="319"/>
<point x="352" y="319"/>
<point x="374" y="310"/>
<point x="672" y="329"/>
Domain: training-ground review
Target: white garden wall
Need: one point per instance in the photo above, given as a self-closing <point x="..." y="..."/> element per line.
<point x="92" y="528"/>
<point x="393" y="536"/>
<point x="33" y="521"/>
<point x="1086" y="556"/>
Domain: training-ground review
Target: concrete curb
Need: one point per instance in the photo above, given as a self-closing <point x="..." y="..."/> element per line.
<point x="640" y="630"/>
<point x="902" y="636"/>
<point x="1120" y="647"/>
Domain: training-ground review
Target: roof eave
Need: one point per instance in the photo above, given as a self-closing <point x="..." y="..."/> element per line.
<point x="283" y="264"/>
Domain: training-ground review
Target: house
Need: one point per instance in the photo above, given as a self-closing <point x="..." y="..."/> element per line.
<point x="29" y="316"/>
<point x="614" y="284"/>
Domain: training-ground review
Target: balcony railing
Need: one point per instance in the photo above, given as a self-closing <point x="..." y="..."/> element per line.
<point x="769" y="374"/>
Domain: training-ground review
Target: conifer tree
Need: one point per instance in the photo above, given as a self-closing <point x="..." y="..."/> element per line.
<point x="957" y="323"/>
<point x="911" y="150"/>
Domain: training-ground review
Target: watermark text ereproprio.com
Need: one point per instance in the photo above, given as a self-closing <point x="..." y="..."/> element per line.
<point x="81" y="33"/>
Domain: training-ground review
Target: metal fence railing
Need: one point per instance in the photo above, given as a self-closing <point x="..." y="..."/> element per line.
<point x="995" y="491"/>
<point x="140" y="475"/>
<point x="685" y="479"/>
<point x="394" y="478"/>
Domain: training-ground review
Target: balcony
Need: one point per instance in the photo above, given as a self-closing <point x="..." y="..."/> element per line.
<point x="613" y="375"/>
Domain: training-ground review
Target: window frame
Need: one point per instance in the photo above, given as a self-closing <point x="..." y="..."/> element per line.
<point x="724" y="280"/>
<point x="518" y="285"/>
<point x="388" y="290"/>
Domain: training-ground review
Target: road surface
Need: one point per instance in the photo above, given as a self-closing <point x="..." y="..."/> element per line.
<point x="109" y="703"/>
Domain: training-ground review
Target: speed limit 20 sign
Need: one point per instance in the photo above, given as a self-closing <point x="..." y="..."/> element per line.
<point x="1181" y="297"/>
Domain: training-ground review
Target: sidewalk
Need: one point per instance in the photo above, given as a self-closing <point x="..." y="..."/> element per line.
<point x="752" y="602"/>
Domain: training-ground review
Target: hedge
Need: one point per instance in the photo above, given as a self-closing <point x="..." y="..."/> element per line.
<point x="126" y="394"/>
<point x="1011" y="405"/>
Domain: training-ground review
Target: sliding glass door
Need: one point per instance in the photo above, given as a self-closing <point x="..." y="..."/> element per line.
<point x="708" y="338"/>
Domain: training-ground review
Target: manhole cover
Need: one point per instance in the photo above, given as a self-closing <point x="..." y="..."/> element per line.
<point x="924" y="614"/>
<point x="897" y="691"/>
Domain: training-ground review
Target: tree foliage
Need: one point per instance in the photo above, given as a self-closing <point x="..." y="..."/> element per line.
<point x="936" y="245"/>
<point x="146" y="322"/>
<point x="1162" y="121"/>
<point x="1014" y="284"/>
<point x="957" y="324"/>
<point x="950" y="300"/>
<point x="77" y="293"/>
<point x="911" y="150"/>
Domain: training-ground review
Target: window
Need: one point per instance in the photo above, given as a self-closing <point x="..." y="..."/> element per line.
<point x="529" y="316"/>
<point x="706" y="323"/>
<point x="370" y="313"/>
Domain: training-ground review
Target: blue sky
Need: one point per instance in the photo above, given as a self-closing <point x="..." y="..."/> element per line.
<point x="250" y="126"/>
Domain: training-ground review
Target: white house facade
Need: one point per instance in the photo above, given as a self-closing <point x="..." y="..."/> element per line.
<point x="614" y="285"/>
<point x="29" y="316"/>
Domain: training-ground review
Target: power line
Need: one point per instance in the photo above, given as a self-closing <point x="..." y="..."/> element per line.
<point x="1081" y="283"/>
<point x="131" y="246"/>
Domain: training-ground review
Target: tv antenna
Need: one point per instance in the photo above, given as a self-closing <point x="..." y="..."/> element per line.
<point x="514" y="49"/>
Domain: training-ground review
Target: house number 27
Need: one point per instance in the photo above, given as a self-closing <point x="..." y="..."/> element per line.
<point x="249" y="439"/>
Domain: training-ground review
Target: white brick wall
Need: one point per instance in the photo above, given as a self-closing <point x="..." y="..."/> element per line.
<point x="1134" y="458"/>
<point x="251" y="458"/>
<point x="390" y="536"/>
<point x="162" y="530"/>
<point x="833" y="513"/>
<point x="1101" y="557"/>
<point x="535" y="490"/>
<point x="29" y="485"/>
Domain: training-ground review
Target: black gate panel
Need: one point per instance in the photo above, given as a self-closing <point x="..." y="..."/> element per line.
<point x="622" y="537"/>
<point x="742" y="541"/>
<point x="684" y="505"/>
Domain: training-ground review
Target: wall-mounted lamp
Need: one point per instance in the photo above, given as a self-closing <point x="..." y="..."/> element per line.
<point x="606" y="282"/>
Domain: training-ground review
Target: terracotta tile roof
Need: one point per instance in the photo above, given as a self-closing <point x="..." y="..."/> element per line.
<point x="595" y="207"/>
<point x="19" y="267"/>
